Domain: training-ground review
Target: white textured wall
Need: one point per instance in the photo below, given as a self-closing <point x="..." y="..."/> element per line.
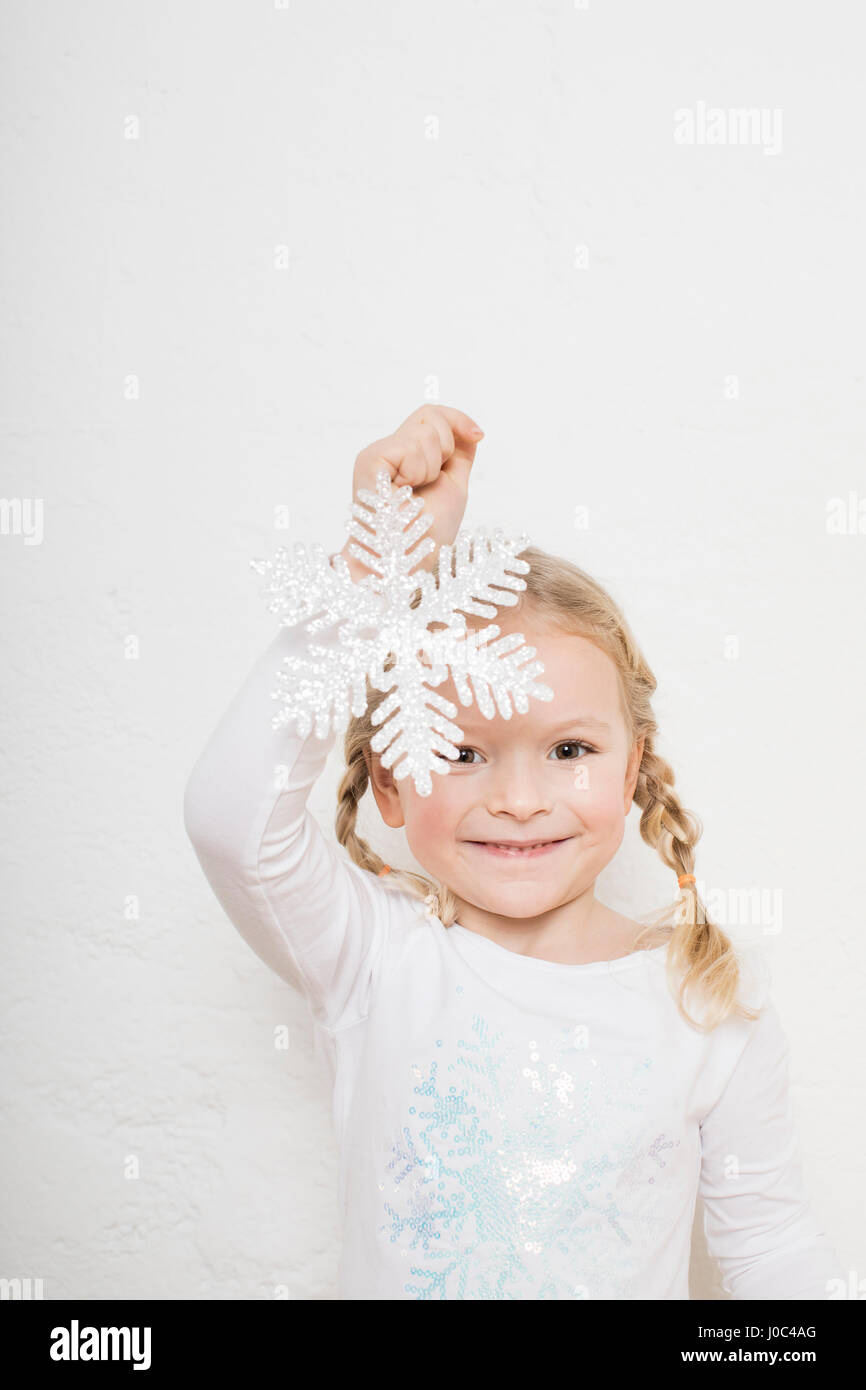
<point x="167" y="385"/>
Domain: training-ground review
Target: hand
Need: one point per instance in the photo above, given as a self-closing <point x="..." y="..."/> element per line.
<point x="432" y="452"/>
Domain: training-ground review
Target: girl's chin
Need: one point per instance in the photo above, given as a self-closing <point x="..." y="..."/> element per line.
<point x="513" y="900"/>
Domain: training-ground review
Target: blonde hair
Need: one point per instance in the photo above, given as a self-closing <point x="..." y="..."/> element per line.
<point x="700" y="960"/>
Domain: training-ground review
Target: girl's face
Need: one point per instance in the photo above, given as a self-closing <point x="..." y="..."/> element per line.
<point x="564" y="771"/>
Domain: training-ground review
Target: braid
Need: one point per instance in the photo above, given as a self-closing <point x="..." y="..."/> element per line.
<point x="349" y="793"/>
<point x="665" y="825"/>
<point x="700" y="954"/>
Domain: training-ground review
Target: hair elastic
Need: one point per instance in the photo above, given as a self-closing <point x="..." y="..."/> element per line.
<point x="386" y="869"/>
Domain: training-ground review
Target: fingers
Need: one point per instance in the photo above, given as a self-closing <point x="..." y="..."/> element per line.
<point x="457" y="434"/>
<point x="462" y="424"/>
<point x="432" y="425"/>
<point x="447" y="417"/>
<point x="384" y="452"/>
<point x="422" y="461"/>
<point x="411" y="461"/>
<point x="432" y="440"/>
<point x="467" y="436"/>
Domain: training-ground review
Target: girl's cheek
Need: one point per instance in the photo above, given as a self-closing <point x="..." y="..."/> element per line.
<point x="597" y="793"/>
<point x="431" y="817"/>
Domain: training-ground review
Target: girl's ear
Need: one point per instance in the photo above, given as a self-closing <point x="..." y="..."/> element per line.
<point x="384" y="790"/>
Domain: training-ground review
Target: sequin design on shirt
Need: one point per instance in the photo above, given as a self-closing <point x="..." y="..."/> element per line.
<point x="523" y="1169"/>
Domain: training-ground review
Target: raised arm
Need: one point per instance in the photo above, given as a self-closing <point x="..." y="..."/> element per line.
<point x="306" y="910"/>
<point x="758" y="1221"/>
<point x="310" y="913"/>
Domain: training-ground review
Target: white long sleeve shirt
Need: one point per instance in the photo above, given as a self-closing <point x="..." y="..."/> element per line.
<point x="508" y="1127"/>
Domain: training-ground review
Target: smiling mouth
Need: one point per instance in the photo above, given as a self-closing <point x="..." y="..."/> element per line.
<point x="528" y="851"/>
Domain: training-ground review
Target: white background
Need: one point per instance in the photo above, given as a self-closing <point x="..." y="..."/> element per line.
<point x="432" y="171"/>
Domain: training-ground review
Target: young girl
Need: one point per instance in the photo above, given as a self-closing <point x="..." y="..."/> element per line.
<point x="530" y="1091"/>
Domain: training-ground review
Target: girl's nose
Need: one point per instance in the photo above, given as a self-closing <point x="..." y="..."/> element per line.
<point x="519" y="790"/>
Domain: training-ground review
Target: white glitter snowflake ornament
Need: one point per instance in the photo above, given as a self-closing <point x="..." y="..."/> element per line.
<point x="378" y="624"/>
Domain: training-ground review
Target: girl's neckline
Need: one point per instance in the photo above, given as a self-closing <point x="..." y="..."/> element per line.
<point x="559" y="967"/>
